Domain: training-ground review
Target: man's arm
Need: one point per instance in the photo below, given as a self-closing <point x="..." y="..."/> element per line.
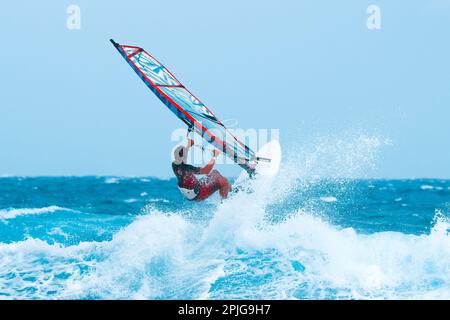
<point x="189" y="143"/>
<point x="207" y="169"/>
<point x="188" y="146"/>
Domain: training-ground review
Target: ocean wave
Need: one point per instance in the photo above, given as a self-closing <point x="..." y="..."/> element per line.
<point x="161" y="256"/>
<point x="158" y="200"/>
<point x="112" y="180"/>
<point x="239" y="251"/>
<point x="328" y="199"/>
<point x="13" y="213"/>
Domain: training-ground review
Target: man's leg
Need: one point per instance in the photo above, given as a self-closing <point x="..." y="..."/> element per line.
<point x="225" y="186"/>
<point x="214" y="182"/>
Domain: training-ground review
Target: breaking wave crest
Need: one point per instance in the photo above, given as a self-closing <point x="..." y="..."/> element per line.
<point x="240" y="251"/>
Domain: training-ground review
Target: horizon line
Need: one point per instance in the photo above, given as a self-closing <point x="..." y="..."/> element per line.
<point x="3" y="176"/>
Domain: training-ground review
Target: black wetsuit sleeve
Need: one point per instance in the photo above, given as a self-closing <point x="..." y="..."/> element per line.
<point x="185" y="168"/>
<point x="189" y="168"/>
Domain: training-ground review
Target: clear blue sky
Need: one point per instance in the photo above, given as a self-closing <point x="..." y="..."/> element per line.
<point x="71" y="106"/>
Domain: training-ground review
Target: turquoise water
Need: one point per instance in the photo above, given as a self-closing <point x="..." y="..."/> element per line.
<point x="136" y="238"/>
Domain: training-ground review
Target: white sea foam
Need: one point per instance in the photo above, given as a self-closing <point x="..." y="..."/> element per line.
<point x="238" y="253"/>
<point x="160" y="256"/>
<point x="13" y="213"/>
<point x="426" y="187"/>
<point x="328" y="199"/>
<point x="112" y="180"/>
<point x="158" y="200"/>
<point x="59" y="232"/>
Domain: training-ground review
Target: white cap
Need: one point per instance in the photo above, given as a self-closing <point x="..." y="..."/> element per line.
<point x="180" y="154"/>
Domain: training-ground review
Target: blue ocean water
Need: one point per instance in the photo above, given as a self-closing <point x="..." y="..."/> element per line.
<point x="137" y="238"/>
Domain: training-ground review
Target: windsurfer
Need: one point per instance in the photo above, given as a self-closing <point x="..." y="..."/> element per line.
<point x="198" y="189"/>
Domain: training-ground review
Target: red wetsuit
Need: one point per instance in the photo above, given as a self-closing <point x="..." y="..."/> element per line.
<point x="204" y="187"/>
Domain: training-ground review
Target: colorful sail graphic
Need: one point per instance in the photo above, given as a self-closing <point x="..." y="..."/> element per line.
<point x="186" y="106"/>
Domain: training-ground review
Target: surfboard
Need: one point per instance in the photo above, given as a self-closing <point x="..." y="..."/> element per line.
<point x="265" y="171"/>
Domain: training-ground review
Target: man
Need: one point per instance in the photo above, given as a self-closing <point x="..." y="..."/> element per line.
<point x="193" y="188"/>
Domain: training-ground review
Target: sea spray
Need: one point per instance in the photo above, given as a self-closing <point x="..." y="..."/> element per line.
<point x="363" y="245"/>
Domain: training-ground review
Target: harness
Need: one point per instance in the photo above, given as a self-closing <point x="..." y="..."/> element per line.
<point x="189" y="194"/>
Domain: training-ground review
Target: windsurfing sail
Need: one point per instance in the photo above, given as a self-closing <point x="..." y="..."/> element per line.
<point x="186" y="106"/>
